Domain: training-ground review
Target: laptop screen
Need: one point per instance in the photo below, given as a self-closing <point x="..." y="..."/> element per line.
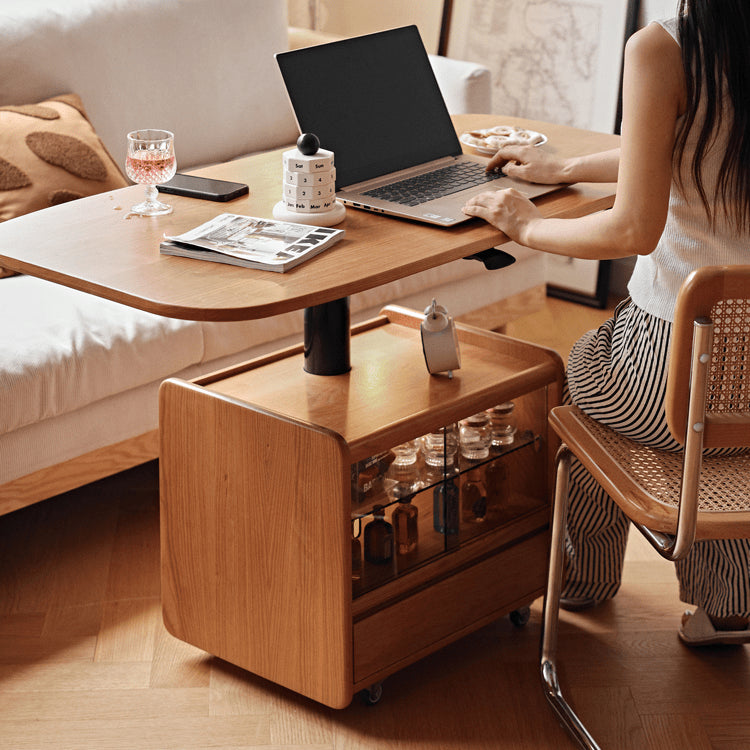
<point x="373" y="100"/>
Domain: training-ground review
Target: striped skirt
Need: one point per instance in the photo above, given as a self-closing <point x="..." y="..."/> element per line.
<point x="617" y="374"/>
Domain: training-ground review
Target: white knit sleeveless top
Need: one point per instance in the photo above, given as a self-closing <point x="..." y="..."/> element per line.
<point x="688" y="240"/>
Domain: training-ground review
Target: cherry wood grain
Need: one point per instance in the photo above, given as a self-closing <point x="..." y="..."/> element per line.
<point x="635" y="681"/>
<point x="390" y="392"/>
<point x="95" y="245"/>
<point x="254" y="541"/>
<point x="256" y="507"/>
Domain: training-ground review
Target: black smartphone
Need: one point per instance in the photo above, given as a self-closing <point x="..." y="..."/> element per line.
<point x="203" y="187"/>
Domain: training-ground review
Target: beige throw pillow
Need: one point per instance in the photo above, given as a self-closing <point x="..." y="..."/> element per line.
<point x="50" y="154"/>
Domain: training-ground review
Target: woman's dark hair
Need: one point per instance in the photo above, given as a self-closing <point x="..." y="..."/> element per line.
<point x="715" y="43"/>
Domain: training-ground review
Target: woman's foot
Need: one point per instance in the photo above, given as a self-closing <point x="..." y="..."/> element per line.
<point x="733" y="622"/>
<point x="700" y="629"/>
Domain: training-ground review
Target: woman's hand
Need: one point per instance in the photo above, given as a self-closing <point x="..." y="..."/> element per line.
<point x="508" y="210"/>
<point x="531" y="164"/>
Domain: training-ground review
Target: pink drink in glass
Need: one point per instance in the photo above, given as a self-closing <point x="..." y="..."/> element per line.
<point x="150" y="167"/>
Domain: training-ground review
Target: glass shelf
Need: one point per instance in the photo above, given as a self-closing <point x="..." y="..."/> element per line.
<point x="433" y="539"/>
<point x="427" y="478"/>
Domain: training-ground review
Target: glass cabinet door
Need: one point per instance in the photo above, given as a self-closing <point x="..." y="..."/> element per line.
<point x="426" y="497"/>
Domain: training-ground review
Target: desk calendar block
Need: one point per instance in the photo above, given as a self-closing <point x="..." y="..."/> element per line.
<point x="320" y="162"/>
<point x="309" y="191"/>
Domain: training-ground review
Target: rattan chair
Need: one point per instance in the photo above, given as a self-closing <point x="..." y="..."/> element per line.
<point x="672" y="498"/>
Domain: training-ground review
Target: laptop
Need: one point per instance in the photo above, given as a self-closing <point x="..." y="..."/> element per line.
<point x="375" y="102"/>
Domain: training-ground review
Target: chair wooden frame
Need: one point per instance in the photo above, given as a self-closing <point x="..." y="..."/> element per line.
<point x="707" y="406"/>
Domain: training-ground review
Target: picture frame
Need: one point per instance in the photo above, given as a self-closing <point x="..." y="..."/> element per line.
<point x="551" y="60"/>
<point x="555" y="61"/>
<point x="579" y="280"/>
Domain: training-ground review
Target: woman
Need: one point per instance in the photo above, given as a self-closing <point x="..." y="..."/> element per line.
<point x="683" y="201"/>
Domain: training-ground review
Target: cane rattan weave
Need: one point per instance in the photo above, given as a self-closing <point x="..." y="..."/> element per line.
<point x="729" y="372"/>
<point x="657" y="475"/>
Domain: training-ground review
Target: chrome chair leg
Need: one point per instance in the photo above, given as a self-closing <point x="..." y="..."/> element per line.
<point x="551" y="613"/>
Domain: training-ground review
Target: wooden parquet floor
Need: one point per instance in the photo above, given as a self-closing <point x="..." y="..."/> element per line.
<point x="85" y="663"/>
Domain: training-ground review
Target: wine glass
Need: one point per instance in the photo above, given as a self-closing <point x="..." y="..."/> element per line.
<point x="150" y="161"/>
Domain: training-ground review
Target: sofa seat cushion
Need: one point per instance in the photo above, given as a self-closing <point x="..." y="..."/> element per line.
<point x="61" y="349"/>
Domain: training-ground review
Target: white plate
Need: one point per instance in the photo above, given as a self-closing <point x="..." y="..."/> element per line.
<point x="504" y="135"/>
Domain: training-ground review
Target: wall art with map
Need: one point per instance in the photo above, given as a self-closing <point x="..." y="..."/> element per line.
<point x="555" y="61"/>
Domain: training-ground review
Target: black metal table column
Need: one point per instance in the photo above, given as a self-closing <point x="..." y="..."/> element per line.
<point x="327" y="338"/>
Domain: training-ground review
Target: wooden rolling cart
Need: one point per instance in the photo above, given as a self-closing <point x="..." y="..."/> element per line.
<point x="257" y="509"/>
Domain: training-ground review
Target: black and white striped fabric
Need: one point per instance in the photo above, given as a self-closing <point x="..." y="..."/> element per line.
<point x="617" y="374"/>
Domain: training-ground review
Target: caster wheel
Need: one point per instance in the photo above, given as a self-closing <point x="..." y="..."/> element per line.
<point x="519" y="617"/>
<point x="373" y="694"/>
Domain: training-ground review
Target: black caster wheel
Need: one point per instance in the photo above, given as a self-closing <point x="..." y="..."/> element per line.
<point x="519" y="617"/>
<point x="373" y="694"/>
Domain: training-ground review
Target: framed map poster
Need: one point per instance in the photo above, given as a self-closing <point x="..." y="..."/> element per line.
<point x="556" y="61"/>
<point x="553" y="60"/>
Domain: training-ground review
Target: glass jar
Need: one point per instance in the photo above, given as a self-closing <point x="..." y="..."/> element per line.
<point x="503" y="422"/>
<point x="406" y="481"/>
<point x="406" y="453"/>
<point x="475" y="436"/>
<point x="440" y="448"/>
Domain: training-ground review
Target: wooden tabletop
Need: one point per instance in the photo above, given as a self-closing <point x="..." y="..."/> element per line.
<point x="94" y="245"/>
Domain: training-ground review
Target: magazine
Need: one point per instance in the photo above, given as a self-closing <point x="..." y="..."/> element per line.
<point x="252" y="242"/>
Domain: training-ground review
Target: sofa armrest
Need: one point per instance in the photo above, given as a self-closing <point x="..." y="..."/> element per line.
<point x="466" y="86"/>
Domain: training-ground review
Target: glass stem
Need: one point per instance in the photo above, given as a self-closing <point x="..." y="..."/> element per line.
<point x="152" y="194"/>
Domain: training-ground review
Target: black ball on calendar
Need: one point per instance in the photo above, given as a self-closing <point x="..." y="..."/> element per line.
<point x="308" y="144"/>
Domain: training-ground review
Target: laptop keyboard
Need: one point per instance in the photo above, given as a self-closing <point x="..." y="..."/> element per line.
<point x="426" y="187"/>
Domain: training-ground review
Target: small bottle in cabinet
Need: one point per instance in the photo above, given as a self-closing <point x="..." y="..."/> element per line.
<point x="356" y="552"/>
<point x="405" y="527"/>
<point x="445" y="507"/>
<point x="496" y="484"/>
<point x="378" y="538"/>
<point x="473" y="498"/>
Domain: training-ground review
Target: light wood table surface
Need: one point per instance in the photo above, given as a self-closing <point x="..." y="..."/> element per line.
<point x="92" y="244"/>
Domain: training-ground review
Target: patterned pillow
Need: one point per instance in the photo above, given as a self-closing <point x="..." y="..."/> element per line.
<point x="50" y="154"/>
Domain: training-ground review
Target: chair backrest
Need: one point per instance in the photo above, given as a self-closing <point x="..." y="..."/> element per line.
<point x="713" y="300"/>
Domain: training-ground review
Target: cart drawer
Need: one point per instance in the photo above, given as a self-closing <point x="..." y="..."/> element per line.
<point x="430" y="618"/>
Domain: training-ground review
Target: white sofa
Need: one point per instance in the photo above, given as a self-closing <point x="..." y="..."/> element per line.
<point x="78" y="374"/>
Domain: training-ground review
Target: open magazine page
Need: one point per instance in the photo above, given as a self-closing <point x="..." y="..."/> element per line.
<point x="260" y="243"/>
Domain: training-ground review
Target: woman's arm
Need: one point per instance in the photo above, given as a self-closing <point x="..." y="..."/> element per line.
<point x="533" y="164"/>
<point x="653" y="98"/>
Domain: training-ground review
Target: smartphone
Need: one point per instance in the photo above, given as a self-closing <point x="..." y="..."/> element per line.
<point x="203" y="187"/>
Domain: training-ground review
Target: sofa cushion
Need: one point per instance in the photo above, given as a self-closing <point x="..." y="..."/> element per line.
<point x="61" y="349"/>
<point x="203" y="69"/>
<point x="50" y="154"/>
